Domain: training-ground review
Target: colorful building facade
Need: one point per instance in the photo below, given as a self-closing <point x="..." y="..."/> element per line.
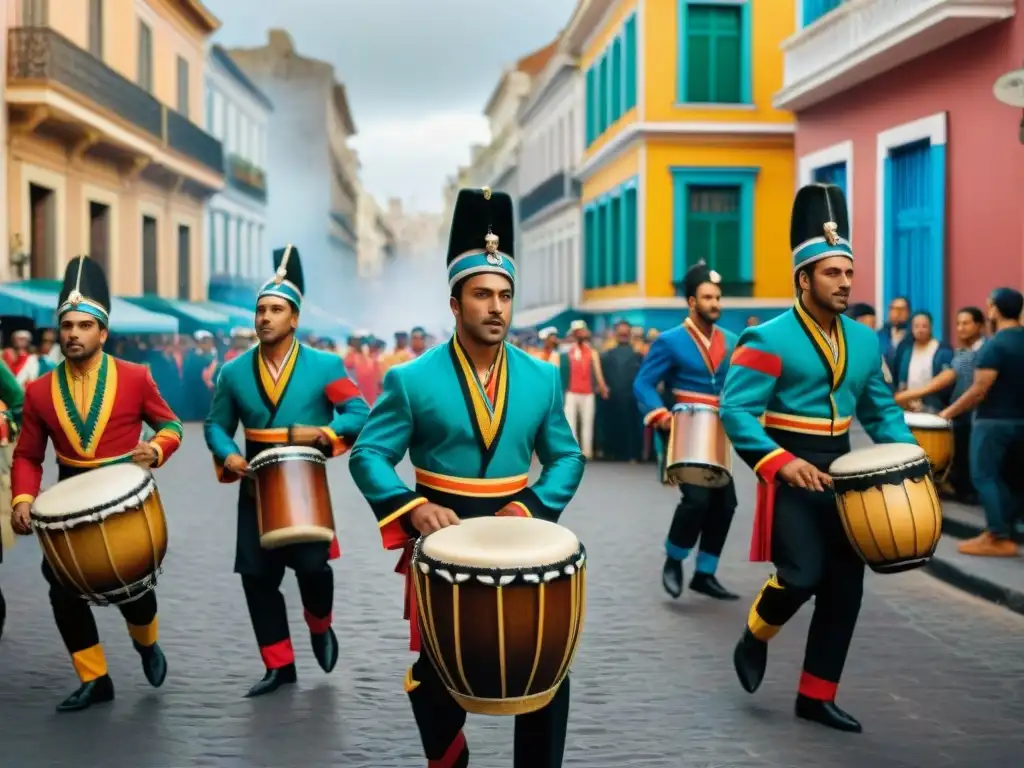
<point x="686" y="158"/>
<point x="897" y="107"/>
<point x="106" y="155"/>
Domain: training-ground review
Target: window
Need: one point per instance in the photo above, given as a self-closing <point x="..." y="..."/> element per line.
<point x="609" y="240"/>
<point x="815" y="9"/>
<point x="591" y="106"/>
<point x="615" y="242"/>
<point x="602" y="96"/>
<point x="629" y="46"/>
<point x="602" y="244"/>
<point x="629" y="235"/>
<point x="96" y="28"/>
<point x="183" y="100"/>
<point x="145" y="63"/>
<point x="713" y="220"/>
<point x="617" y="77"/>
<point x="35" y="13"/>
<point x="590" y="248"/>
<point x="714" y="55"/>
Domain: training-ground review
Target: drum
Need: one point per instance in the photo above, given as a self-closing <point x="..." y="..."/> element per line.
<point x="103" y="532"/>
<point x="934" y="434"/>
<point x="888" y="505"/>
<point x="501" y="602"/>
<point x="292" y="496"/>
<point x="699" y="453"/>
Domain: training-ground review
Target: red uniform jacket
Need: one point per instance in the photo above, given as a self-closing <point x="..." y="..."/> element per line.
<point x="125" y="396"/>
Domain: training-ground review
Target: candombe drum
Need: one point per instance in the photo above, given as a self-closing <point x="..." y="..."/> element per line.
<point x="292" y="496"/>
<point x="103" y="532"/>
<point x="935" y="435"/>
<point x="699" y="453"/>
<point x="888" y="505"/>
<point x="501" y="602"/>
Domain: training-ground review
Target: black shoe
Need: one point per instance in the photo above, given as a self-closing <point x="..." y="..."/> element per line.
<point x="709" y="586"/>
<point x="826" y="713"/>
<point x="750" y="659"/>
<point x="672" y="577"/>
<point x="325" y="648"/>
<point x="273" y="680"/>
<point x="95" y="691"/>
<point x="154" y="663"/>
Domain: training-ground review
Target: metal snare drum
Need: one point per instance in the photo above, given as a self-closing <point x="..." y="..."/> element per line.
<point x="699" y="453"/>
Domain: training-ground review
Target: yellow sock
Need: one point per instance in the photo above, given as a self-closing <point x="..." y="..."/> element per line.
<point x="144" y="635"/>
<point x="90" y="663"/>
<point x="758" y="627"/>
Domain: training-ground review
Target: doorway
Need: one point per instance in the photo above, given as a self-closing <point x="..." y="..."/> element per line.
<point x="150" y="272"/>
<point x="99" y="234"/>
<point x="184" y="262"/>
<point x="43" y="228"/>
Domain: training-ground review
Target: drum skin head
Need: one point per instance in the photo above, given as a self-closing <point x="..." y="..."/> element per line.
<point x="926" y="421"/>
<point x="501" y="542"/>
<point x="284" y="452"/>
<point x="877" y="458"/>
<point x="91" y="490"/>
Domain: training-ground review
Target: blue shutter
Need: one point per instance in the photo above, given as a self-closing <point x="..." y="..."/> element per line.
<point x="630" y="236"/>
<point x="616" y="228"/>
<point x="616" y="77"/>
<point x="601" y="236"/>
<point x="589" y="250"/>
<point x="591" y="106"/>
<point x="631" y="62"/>
<point x="603" y="108"/>
<point x="815" y="9"/>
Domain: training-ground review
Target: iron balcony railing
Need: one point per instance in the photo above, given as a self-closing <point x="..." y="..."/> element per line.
<point x="554" y="189"/>
<point x="247" y="178"/>
<point x="39" y="55"/>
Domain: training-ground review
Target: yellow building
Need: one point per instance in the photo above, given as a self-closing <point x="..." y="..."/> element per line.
<point x="685" y="158"/>
<point x="104" y="99"/>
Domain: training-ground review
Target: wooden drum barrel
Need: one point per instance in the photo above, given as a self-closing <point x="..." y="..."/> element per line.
<point x="501" y="602"/>
<point x="292" y="496"/>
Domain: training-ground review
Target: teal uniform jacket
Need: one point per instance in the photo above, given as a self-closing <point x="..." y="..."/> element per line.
<point x="312" y="390"/>
<point x="788" y="395"/>
<point x="469" y="455"/>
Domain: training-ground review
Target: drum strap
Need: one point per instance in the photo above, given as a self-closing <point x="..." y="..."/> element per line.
<point x="404" y="567"/>
<point x="764" y="514"/>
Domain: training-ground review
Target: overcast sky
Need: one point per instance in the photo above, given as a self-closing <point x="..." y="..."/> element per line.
<point x="418" y="72"/>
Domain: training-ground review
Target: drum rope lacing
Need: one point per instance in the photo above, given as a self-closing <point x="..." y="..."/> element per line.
<point x="130" y="500"/>
<point x="455" y="573"/>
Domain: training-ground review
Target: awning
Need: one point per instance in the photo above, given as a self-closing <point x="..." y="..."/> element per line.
<point x="37" y="299"/>
<point x="239" y="316"/>
<point x="545" y="317"/>
<point x="191" y="317"/>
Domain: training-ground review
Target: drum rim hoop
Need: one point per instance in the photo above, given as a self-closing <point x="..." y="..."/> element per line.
<point x="684" y="407"/>
<point x="301" y="453"/>
<point x="148" y="484"/>
<point x="860" y="481"/>
<point x="531" y="575"/>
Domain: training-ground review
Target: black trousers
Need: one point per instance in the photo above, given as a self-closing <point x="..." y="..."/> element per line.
<point x="813" y="557"/>
<point x="960" y="469"/>
<point x="705" y="514"/>
<point x="539" y="740"/>
<point x="266" y="603"/>
<point x="77" y="627"/>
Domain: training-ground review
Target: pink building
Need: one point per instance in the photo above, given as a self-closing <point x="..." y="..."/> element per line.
<point x="894" y="103"/>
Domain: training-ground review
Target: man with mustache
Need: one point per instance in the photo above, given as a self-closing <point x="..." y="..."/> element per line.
<point x="283" y="393"/>
<point x="91" y="407"/>
<point x="470" y="414"/>
<point x="793" y="388"/>
<point x="692" y="361"/>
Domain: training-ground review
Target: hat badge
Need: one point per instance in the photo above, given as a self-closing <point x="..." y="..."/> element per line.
<point x="831" y="233"/>
<point x="491" y="248"/>
<point x="75" y="298"/>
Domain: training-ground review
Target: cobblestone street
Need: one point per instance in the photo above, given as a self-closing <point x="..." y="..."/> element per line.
<point x="936" y="677"/>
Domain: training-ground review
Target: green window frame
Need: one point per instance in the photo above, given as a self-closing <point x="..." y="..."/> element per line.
<point x="590" y="247"/>
<point x="617" y="77"/>
<point x="629" y="54"/>
<point x="629" y="234"/>
<point x="714" y="52"/>
<point x="603" y="105"/>
<point x="591" y="106"/>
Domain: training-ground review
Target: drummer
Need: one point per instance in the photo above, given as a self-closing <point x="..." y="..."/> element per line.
<point x="283" y="393"/>
<point x="692" y="361"/>
<point x="794" y="386"/>
<point x="471" y="459"/>
<point x="91" y="407"/>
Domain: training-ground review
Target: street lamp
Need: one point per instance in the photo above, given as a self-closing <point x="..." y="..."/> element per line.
<point x="1009" y="89"/>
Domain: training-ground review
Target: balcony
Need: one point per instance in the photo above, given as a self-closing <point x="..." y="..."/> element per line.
<point x="555" y="189"/>
<point x="862" y="39"/>
<point x="64" y="92"/>
<point x="247" y="178"/>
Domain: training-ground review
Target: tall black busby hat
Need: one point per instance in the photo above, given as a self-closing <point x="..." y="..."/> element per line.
<point x="697" y="275"/>
<point x="481" y="235"/>
<point x="287" y="282"/>
<point x="820" y="225"/>
<point x="85" y="289"/>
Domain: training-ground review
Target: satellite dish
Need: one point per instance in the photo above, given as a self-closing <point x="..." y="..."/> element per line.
<point x="1009" y="88"/>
